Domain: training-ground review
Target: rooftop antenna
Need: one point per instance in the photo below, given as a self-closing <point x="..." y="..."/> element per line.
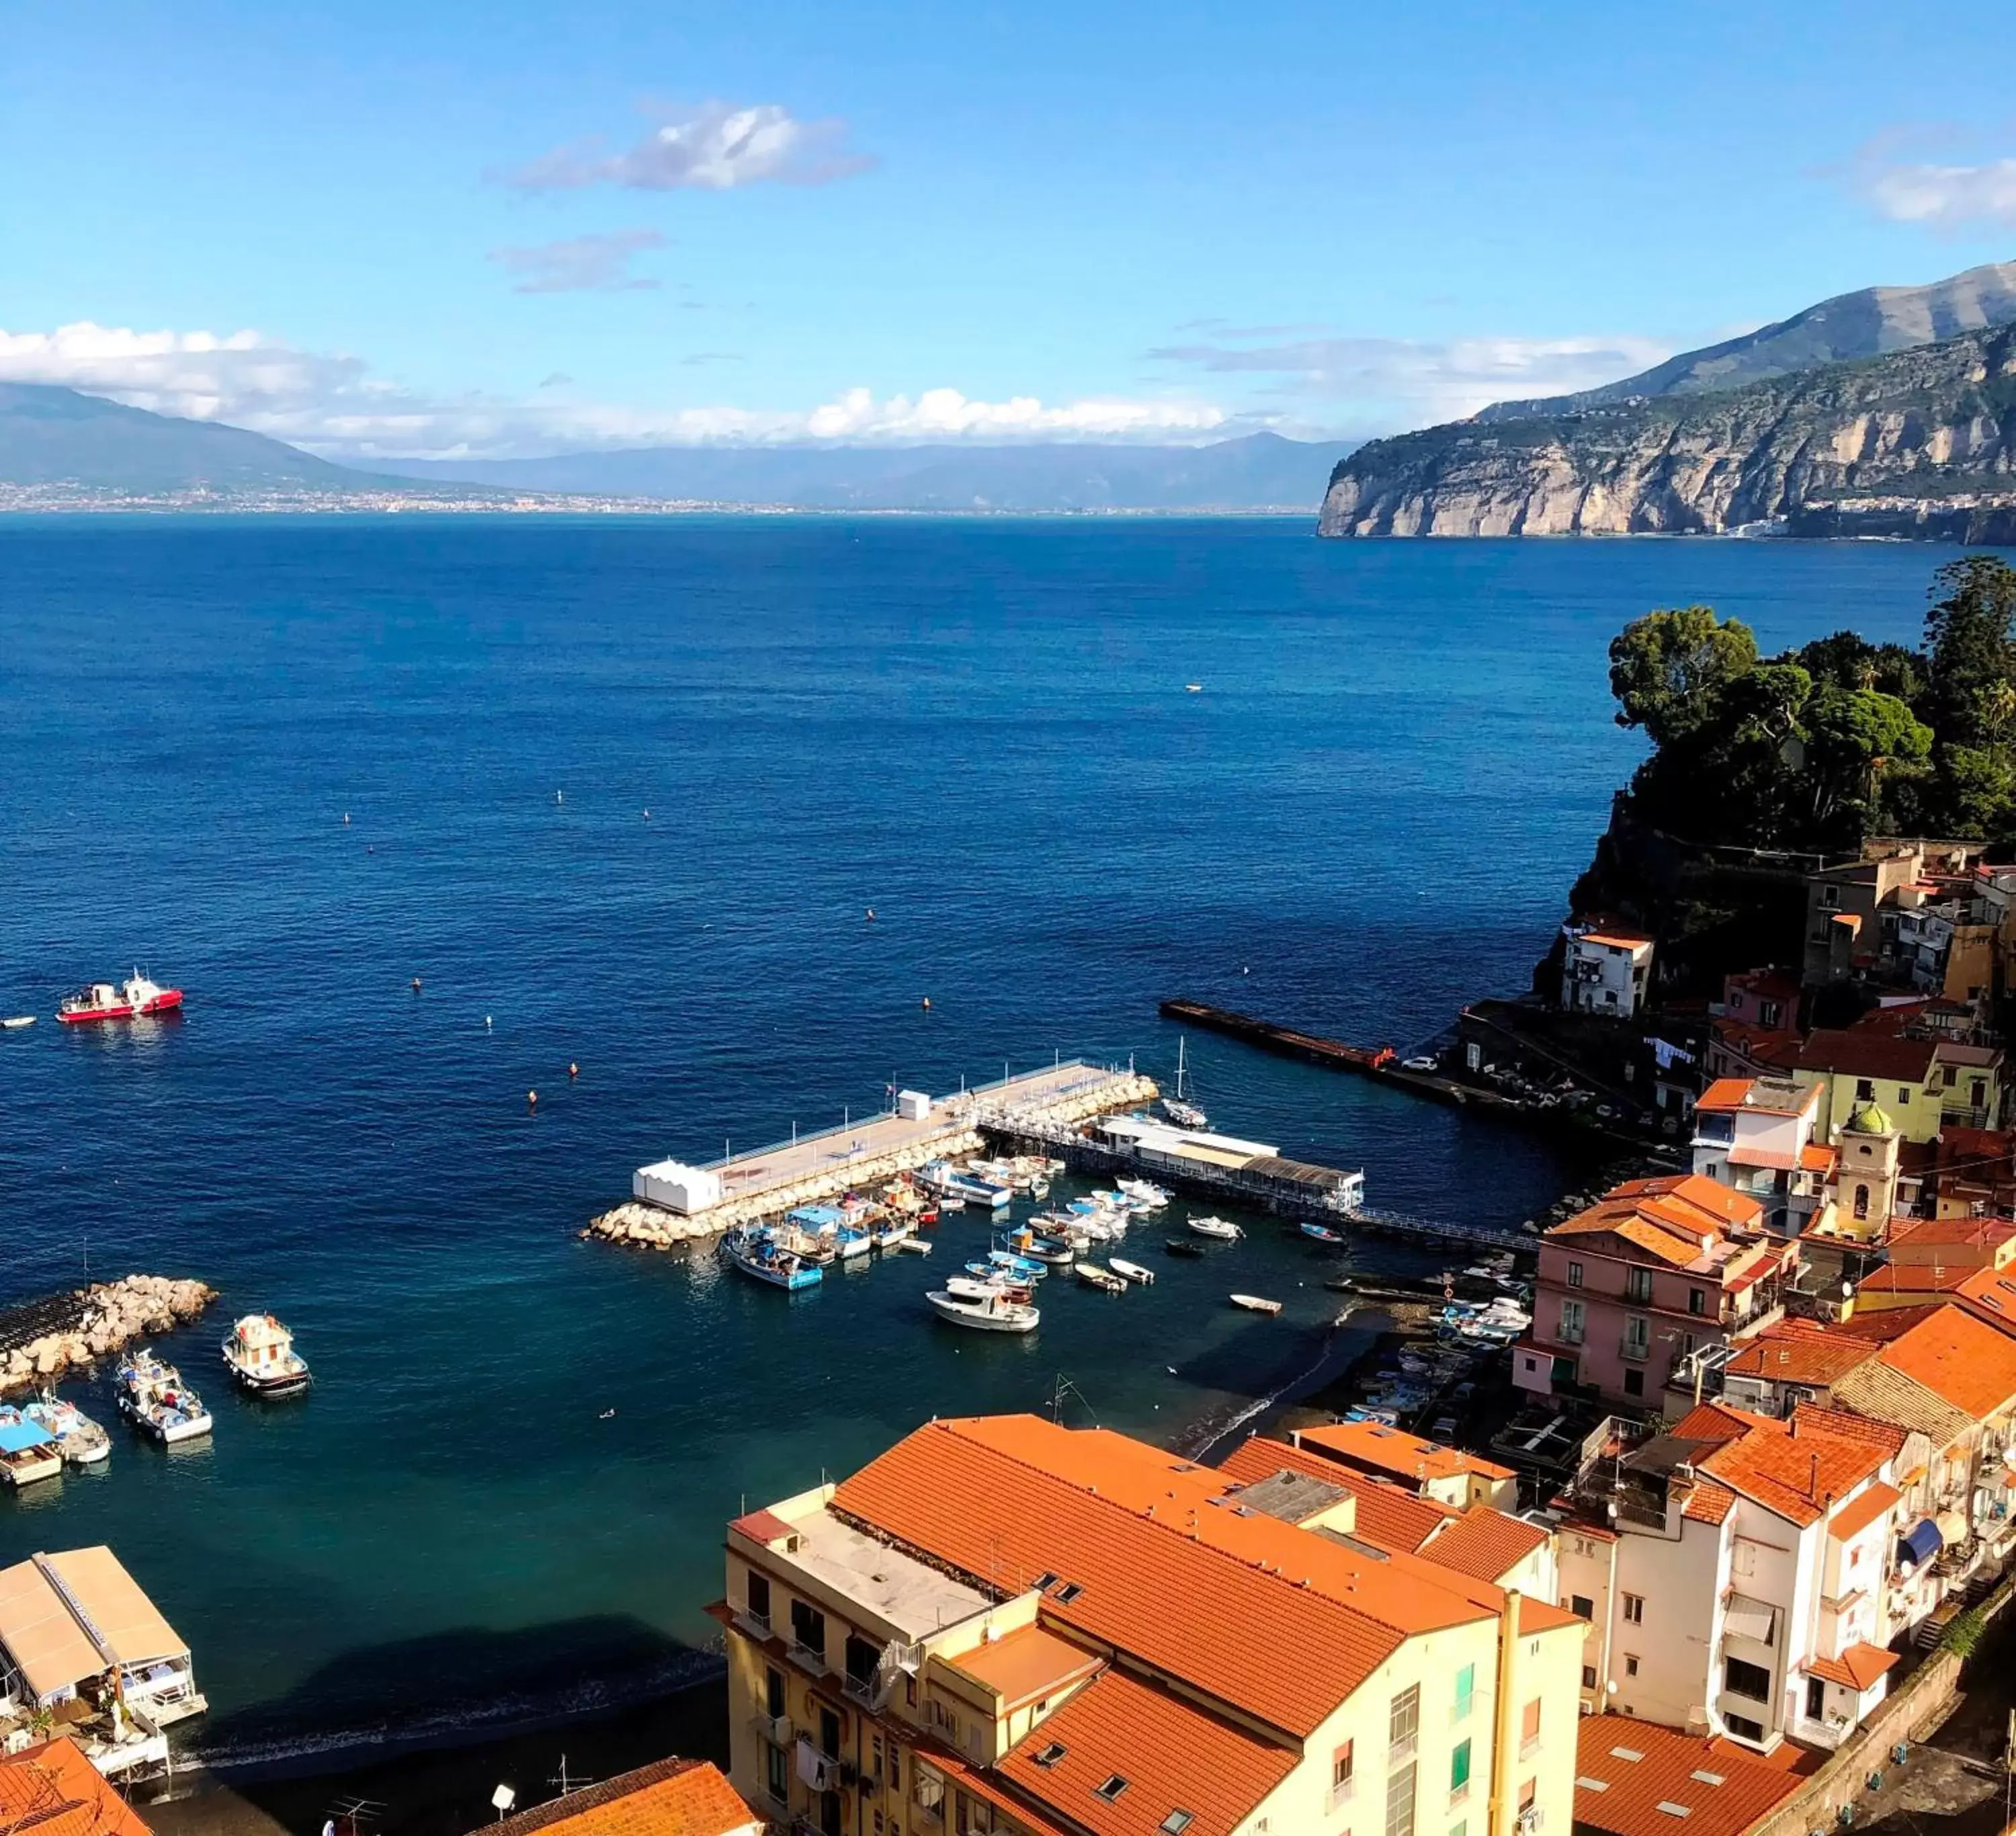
<point x="568" y="1781"/>
<point x="353" y="1811"/>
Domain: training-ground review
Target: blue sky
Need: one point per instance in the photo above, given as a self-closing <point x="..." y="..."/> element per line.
<point x="443" y="227"/>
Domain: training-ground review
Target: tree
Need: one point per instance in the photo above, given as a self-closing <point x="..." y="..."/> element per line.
<point x="1852" y="736"/>
<point x="1668" y="668"/>
<point x="1968" y="651"/>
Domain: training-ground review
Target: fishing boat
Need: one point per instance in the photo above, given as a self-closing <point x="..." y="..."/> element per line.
<point x="1144" y="1193"/>
<point x="83" y="1442"/>
<point x="130" y="1000"/>
<point x="1182" y="1246"/>
<point x="853" y="1242"/>
<point x="1255" y="1303"/>
<point x="1323" y="1233"/>
<point x="259" y="1353"/>
<point x="1052" y="1250"/>
<point x="1023" y="1268"/>
<point x="154" y="1398"/>
<point x="949" y="1182"/>
<point x="987" y="1275"/>
<point x="1218" y="1228"/>
<point x="28" y="1452"/>
<point x="1133" y="1272"/>
<point x="992" y="1311"/>
<point x="758" y="1253"/>
<point x="1092" y="1275"/>
<point x="893" y="1233"/>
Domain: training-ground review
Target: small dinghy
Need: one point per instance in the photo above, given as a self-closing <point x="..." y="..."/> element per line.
<point x="1133" y="1272"/>
<point x="1323" y="1233"/>
<point x="1182" y="1246"/>
<point x="915" y="1245"/>
<point x="17" y="1022"/>
<point x="1104" y="1280"/>
<point x="1219" y="1230"/>
<point x="1255" y="1303"/>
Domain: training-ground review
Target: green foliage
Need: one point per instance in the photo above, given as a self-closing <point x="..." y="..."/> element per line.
<point x="1963" y="1633"/>
<point x="1819" y="747"/>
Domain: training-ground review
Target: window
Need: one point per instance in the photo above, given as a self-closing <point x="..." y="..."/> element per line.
<point x="1767" y="1013"/>
<point x="1903" y="1095"/>
<point x="1589" y="1676"/>
<point x="759" y="1600"/>
<point x="1830" y="898"/>
<point x="1070" y="1592"/>
<point x="1466" y="1687"/>
<point x="1978" y="1093"/>
<point x="1052" y="1754"/>
<point x="1045" y="1582"/>
<point x="1637" y="1336"/>
<point x="808" y="1628"/>
<point x="1950" y="1076"/>
<point x="1634" y="1382"/>
<point x="1638" y="1284"/>
<point x="1459" y="1771"/>
<point x="1529" y="1726"/>
<point x="1582" y="1605"/>
<point x="1862" y="1201"/>
<point x="777" y="1774"/>
<point x="1175" y="1822"/>
<point x="1575" y="1275"/>
<point x="1630" y="1665"/>
<point x="1112" y="1788"/>
<point x="1751" y="1681"/>
<point x="1634" y="1609"/>
<point x="1403" y="1721"/>
<point x="1865" y="1090"/>
<point x="829" y="1735"/>
<point x="1400" y="1801"/>
<point x="1340" y="1763"/>
<point x="1743" y="1727"/>
<point x="773" y="1692"/>
<point x="1697" y="1301"/>
<point x="1572" y="1323"/>
<point x="1815" y="1698"/>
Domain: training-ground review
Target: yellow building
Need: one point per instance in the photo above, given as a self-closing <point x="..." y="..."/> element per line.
<point x="1001" y="1625"/>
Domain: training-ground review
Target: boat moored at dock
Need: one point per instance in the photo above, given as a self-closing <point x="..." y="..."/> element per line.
<point x="1104" y="1280"/>
<point x="1133" y="1273"/>
<point x="134" y="998"/>
<point x="259" y="1353"/>
<point x="28" y="1452"/>
<point x="81" y="1441"/>
<point x="1218" y="1229"/>
<point x="154" y="1398"/>
<point x="757" y="1252"/>
<point x="948" y="1182"/>
<point x="988" y="1312"/>
<point x="1323" y="1232"/>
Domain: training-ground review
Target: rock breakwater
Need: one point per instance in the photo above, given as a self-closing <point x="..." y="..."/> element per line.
<point x="43" y="1339"/>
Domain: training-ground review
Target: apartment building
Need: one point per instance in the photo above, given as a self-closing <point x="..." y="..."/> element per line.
<point x="1759" y="1136"/>
<point x="1447" y="1475"/>
<point x="1632" y="1293"/>
<point x="1606" y="970"/>
<point x="1003" y="1626"/>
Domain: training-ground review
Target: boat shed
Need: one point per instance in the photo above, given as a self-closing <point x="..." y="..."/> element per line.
<point x="71" y="1619"/>
<point x="677" y="1187"/>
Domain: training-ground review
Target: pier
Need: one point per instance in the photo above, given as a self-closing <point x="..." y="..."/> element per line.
<point x="676" y="1201"/>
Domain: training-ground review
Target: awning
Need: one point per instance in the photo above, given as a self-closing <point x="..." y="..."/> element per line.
<point x="1921" y="1543"/>
<point x="1751" y="1619"/>
<point x="1952" y="1528"/>
<point x="18" y="1436"/>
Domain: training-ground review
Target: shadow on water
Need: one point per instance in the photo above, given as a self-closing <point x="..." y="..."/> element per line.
<point x="470" y="1709"/>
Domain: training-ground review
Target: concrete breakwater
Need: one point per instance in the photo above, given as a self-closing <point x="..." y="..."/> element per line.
<point x="863" y="1156"/>
<point x="40" y="1340"/>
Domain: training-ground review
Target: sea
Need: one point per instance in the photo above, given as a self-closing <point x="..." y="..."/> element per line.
<point x="621" y="794"/>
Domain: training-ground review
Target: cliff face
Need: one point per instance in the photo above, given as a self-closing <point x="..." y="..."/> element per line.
<point x="1928" y="429"/>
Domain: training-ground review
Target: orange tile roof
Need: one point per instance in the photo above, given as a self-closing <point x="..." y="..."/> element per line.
<point x="1173" y="1754"/>
<point x="1707" y="1503"/>
<point x="1626" y="1769"/>
<point x="1990" y="1295"/>
<point x="54" y="1791"/>
<point x="1485" y="1542"/>
<point x="1738" y="1096"/>
<point x="1669" y="1217"/>
<point x="1857" y="1668"/>
<point x="1028" y="1663"/>
<point x="1386" y="1515"/>
<point x="1876" y="1389"/>
<point x="673" y="1797"/>
<point x="1965" y="1360"/>
<point x="1987" y="1233"/>
<point x="1886" y="1435"/>
<point x="1797" y="1352"/>
<point x="1134" y="1528"/>
<point x="1852" y="1519"/>
<point x="1622" y="940"/>
<point x="1393" y="1450"/>
<point x="1724" y="1093"/>
<point x="1788" y="1471"/>
<point x="1922" y="1282"/>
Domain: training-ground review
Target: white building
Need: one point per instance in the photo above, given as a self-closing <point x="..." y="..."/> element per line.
<point x="1604" y="970"/>
<point x="1757" y="1135"/>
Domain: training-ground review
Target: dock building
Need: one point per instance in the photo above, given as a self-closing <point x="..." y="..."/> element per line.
<point x="1003" y="1626"/>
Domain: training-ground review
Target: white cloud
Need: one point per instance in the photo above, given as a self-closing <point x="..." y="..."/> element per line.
<point x="1379" y="383"/>
<point x="718" y="146"/>
<point x="580" y="264"/>
<point x="332" y="405"/>
<point x="1944" y="197"/>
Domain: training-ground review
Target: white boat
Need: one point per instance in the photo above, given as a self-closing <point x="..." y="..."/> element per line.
<point x="154" y="1398"/>
<point x="1218" y="1228"/>
<point x="1143" y="1192"/>
<point x="28" y="1451"/>
<point x="950" y="1183"/>
<point x="83" y="1442"/>
<point x="1255" y="1303"/>
<point x="892" y="1233"/>
<point x="15" y="1022"/>
<point x="990" y="1311"/>
<point x="259" y="1353"/>
<point x="1133" y="1272"/>
<point x="1179" y="1108"/>
<point x="1092" y="1275"/>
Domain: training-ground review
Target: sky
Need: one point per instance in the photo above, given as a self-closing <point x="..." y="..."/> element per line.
<point x="452" y="229"/>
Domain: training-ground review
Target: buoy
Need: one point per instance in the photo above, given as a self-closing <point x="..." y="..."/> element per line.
<point x="346" y="818"/>
<point x="574" y="1070"/>
<point x="532" y="1100"/>
<point x="871" y="914"/>
<point x="560" y="797"/>
<point x="927" y="1000"/>
<point x="416" y="984"/>
<point x="486" y="1023"/>
<point x="647" y="816"/>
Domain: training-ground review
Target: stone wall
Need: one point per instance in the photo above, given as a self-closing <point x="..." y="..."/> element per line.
<point x="42" y="1340"/>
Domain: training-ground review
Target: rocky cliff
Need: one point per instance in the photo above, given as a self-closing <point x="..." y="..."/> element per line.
<point x="1922" y="439"/>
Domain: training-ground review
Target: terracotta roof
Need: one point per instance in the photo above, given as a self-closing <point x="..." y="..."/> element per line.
<point x="1393" y="1450"/>
<point x="1921" y="1282"/>
<point x="1886" y="1435"/>
<point x="1485" y="1542"/>
<point x="673" y="1797"/>
<point x="1172" y="1754"/>
<point x="1753" y="1096"/>
<point x="1983" y="1233"/>
<point x="1715" y="1422"/>
<point x="1667" y="1217"/>
<point x="1623" y="940"/>
<point x="54" y="1791"/>
<point x="1990" y="1295"/>
<point x="1626" y="1770"/>
<point x="1707" y="1503"/>
<point x="1027" y="1664"/>
<point x="1798" y="1353"/>
<point x="1386" y="1515"/>
<point x="1857" y="1053"/>
<point x="764" y="1527"/>
<point x="1965" y="1360"/>
<point x="1791" y="1473"/>
<point x="1852" y="1519"/>
<point x="1859" y="1668"/>
<point x="1879" y="1327"/>
<point x="1876" y="1389"/>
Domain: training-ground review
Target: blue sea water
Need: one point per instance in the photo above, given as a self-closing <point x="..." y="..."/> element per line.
<point x="1400" y="757"/>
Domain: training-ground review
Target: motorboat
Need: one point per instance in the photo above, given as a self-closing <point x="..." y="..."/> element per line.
<point x="1143" y="1192"/>
<point x="14" y="1023"/>
<point x="987" y="1275"/>
<point x="28" y="1452"/>
<point x="259" y="1353"/>
<point x="1092" y="1275"/>
<point x="893" y="1233"/>
<point x="1133" y="1272"/>
<point x="1052" y="1250"/>
<point x="991" y="1311"/>
<point x="853" y="1242"/>
<point x="1255" y="1303"/>
<point x="1323" y="1233"/>
<point x="758" y="1253"/>
<point x="131" y="1000"/>
<point x="1220" y="1229"/>
<point x="154" y="1398"/>
<point x="949" y="1182"/>
<point x="1023" y="1268"/>
<point x="82" y="1442"/>
<point x="1182" y="1246"/>
<point x="916" y="1245"/>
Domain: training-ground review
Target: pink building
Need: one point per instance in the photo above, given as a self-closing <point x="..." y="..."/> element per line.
<point x="1633" y="1293"/>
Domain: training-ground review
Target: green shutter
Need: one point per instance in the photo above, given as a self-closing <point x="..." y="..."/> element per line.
<point x="1465" y="1686"/>
<point x="1460" y="1766"/>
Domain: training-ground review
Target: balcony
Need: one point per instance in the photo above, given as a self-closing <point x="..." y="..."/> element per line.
<point x="1340" y="1795"/>
<point x="806" y="1658"/>
<point x="776" y="1729"/>
<point x="1402" y="1750"/>
<point x="1636" y="1351"/>
<point x="870" y="1692"/>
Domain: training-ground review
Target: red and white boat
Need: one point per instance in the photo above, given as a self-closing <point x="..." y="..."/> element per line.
<point x="131" y="999"/>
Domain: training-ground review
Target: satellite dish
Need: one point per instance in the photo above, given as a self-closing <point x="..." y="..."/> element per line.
<point x="502" y="1798"/>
